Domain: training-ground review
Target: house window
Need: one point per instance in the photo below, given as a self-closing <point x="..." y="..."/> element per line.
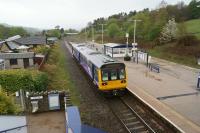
<point x="13" y="61"/>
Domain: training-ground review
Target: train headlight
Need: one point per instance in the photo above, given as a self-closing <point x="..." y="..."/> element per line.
<point x="104" y="83"/>
<point x="123" y="81"/>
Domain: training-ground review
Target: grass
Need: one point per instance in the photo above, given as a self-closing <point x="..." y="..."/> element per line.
<point x="193" y="26"/>
<point x="160" y="52"/>
<point x="58" y="74"/>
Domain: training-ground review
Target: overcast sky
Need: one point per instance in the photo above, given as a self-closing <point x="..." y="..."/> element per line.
<point x="67" y="13"/>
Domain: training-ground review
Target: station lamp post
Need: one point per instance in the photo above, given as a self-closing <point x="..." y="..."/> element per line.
<point x="134" y="44"/>
<point x="127" y="35"/>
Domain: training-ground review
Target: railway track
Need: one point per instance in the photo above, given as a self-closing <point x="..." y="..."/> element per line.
<point x="130" y="119"/>
<point x="134" y="115"/>
<point x="137" y="117"/>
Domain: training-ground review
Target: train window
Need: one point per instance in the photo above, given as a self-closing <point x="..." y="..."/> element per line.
<point x="121" y="74"/>
<point x="104" y="75"/>
<point x="113" y="75"/>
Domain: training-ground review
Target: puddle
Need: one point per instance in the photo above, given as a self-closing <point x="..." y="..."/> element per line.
<point x="149" y="75"/>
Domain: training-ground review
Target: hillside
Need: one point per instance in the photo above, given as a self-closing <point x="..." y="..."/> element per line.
<point x="193" y="26"/>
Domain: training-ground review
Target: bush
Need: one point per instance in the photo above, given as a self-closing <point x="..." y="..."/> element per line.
<point x="127" y="57"/>
<point x="41" y="49"/>
<point x="187" y="40"/>
<point x="31" y="80"/>
<point x="7" y="105"/>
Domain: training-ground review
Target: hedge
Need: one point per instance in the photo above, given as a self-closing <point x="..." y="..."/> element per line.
<point x="16" y="79"/>
<point x="7" y="105"/>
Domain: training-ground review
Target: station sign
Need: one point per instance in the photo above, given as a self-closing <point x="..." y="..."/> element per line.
<point x="36" y="97"/>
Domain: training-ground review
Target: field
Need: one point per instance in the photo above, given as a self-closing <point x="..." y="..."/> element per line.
<point x="193" y="27"/>
<point x="180" y="54"/>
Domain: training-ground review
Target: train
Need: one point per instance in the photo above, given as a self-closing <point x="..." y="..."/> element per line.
<point x="108" y="75"/>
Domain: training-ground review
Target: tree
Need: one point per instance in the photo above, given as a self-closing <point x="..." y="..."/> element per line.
<point x="113" y="30"/>
<point x="57" y="27"/>
<point x="169" y="31"/>
<point x="194" y="9"/>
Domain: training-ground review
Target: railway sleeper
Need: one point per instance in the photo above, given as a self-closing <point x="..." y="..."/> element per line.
<point x="125" y="111"/>
<point x="128" y="114"/>
<point x="132" y="123"/>
<point x="137" y="129"/>
<point x="129" y="119"/>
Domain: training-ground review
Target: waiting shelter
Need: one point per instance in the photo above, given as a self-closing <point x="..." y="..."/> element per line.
<point x="117" y="50"/>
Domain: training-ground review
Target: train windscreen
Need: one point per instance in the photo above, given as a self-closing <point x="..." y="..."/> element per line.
<point x="113" y="72"/>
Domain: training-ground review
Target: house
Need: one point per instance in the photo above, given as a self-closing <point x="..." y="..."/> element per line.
<point x="32" y="41"/>
<point x="18" y="60"/>
<point x="15" y="54"/>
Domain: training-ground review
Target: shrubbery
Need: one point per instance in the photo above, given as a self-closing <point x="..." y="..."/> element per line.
<point x="31" y="80"/>
<point x="127" y="57"/>
<point x="188" y="40"/>
<point x="7" y="105"/>
<point x="41" y="49"/>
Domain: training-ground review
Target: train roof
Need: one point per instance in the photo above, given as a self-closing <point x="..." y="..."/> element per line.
<point x="97" y="58"/>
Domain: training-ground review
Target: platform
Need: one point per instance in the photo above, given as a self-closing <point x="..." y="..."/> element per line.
<point x="172" y="92"/>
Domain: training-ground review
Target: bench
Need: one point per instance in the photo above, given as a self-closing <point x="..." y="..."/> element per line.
<point x="153" y="66"/>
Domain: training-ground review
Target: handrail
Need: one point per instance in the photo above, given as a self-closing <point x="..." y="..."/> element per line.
<point x="12" y="129"/>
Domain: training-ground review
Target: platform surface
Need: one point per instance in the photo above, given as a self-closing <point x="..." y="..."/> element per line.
<point x="172" y="91"/>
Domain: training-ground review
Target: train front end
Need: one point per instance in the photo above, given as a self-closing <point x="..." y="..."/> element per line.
<point x="113" y="78"/>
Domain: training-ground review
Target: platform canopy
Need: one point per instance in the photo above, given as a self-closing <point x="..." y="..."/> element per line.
<point x="117" y="45"/>
<point x="117" y="49"/>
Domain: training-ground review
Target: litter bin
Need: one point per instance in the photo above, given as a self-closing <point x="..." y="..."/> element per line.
<point x="198" y="80"/>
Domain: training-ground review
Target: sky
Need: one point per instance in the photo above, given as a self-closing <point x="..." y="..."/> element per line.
<point x="46" y="14"/>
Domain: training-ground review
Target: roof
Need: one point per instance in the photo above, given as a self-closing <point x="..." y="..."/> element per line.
<point x="13" y="38"/>
<point x="97" y="58"/>
<point x="9" y="122"/>
<point x="12" y="45"/>
<point x="22" y="47"/>
<point x="33" y="40"/>
<point x="16" y="55"/>
<point x="1" y="42"/>
<point x="1" y="60"/>
<point x="73" y="122"/>
<point x="117" y="45"/>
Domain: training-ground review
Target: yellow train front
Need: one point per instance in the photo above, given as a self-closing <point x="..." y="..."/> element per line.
<point x="107" y="74"/>
<point x="112" y="78"/>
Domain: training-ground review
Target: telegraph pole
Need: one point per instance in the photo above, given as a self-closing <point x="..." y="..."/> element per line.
<point x="92" y="33"/>
<point x="85" y="35"/>
<point x="135" y="24"/>
<point x="102" y="31"/>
